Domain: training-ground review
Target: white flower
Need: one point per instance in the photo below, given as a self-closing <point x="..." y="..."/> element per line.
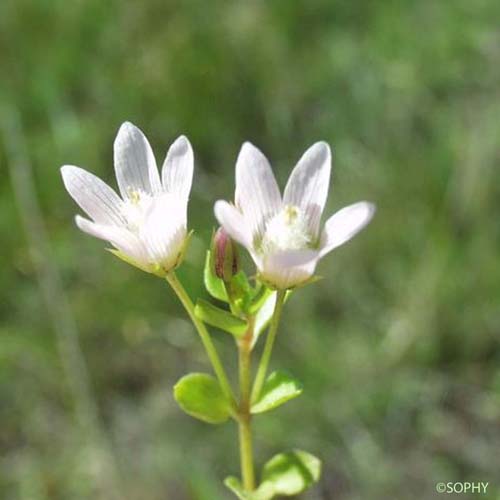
<point x="283" y="234"/>
<point x="148" y="224"/>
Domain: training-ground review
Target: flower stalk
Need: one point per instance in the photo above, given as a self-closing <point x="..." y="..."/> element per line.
<point x="213" y="356"/>
<point x="244" y="415"/>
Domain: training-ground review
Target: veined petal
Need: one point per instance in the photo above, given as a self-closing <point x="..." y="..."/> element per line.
<point x="292" y="258"/>
<point x="135" y="164"/>
<point x="177" y="170"/>
<point x="308" y="184"/>
<point x="233" y="222"/>
<point x="93" y="195"/>
<point x="119" y="237"/>
<point x="289" y="268"/>
<point x="345" y="224"/>
<point x="164" y="230"/>
<point x="257" y="193"/>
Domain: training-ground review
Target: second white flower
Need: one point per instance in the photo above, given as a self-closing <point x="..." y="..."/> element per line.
<point x="283" y="234"/>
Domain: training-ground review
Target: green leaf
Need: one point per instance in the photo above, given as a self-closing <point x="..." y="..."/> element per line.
<point x="200" y="396"/>
<point x="214" y="285"/>
<point x="265" y="313"/>
<point x="264" y="492"/>
<point x="234" y="484"/>
<point x="263" y="316"/>
<point x="278" y="388"/>
<point x="219" y="318"/>
<point x="291" y="473"/>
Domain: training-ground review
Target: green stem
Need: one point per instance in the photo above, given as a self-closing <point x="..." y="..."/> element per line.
<point x="268" y="348"/>
<point x="244" y="416"/>
<point x="204" y="335"/>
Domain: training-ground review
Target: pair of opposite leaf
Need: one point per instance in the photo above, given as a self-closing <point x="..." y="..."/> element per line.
<point x="200" y="396"/>
<point x="147" y="224"/>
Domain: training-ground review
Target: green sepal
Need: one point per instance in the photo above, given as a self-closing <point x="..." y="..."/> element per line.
<point x="220" y="318"/>
<point x="240" y="291"/>
<point x="278" y="388"/>
<point x="261" y="294"/>
<point x="184" y="249"/>
<point x="310" y="281"/>
<point x="201" y="396"/>
<point x="272" y="286"/>
<point x="264" y="492"/>
<point x="132" y="262"/>
<point x="292" y="473"/>
<point x="155" y="269"/>
<point x="214" y="285"/>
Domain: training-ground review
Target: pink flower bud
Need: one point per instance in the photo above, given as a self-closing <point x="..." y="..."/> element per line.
<point x="225" y="256"/>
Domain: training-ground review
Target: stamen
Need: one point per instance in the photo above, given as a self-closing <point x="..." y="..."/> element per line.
<point x="291" y="213"/>
<point x="135" y="208"/>
<point x="134" y="196"/>
<point x="287" y="230"/>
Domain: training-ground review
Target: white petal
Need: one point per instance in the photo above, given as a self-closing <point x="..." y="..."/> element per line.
<point x="177" y="170"/>
<point x="257" y="193"/>
<point x="119" y="237"/>
<point x="289" y="268"/>
<point x="93" y="195"/>
<point x="233" y="222"/>
<point x="345" y="224"/>
<point x="308" y="184"/>
<point x="135" y="164"/>
<point x="164" y="230"/>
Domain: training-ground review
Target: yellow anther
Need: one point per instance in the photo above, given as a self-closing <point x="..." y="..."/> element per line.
<point x="134" y="196"/>
<point x="290" y="214"/>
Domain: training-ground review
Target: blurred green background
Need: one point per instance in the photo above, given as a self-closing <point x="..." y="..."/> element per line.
<point x="398" y="347"/>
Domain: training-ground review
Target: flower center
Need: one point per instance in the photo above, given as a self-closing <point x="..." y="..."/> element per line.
<point x="287" y="230"/>
<point x="135" y="208"/>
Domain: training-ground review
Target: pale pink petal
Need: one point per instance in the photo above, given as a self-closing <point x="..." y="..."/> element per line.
<point x="257" y="193"/>
<point x="308" y="184"/>
<point x="345" y="224"/>
<point x="177" y="170"/>
<point x="93" y="195"/>
<point x="233" y="222"/>
<point x="289" y="268"/>
<point x="135" y="164"/>
<point x="122" y="239"/>
<point x="164" y="230"/>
